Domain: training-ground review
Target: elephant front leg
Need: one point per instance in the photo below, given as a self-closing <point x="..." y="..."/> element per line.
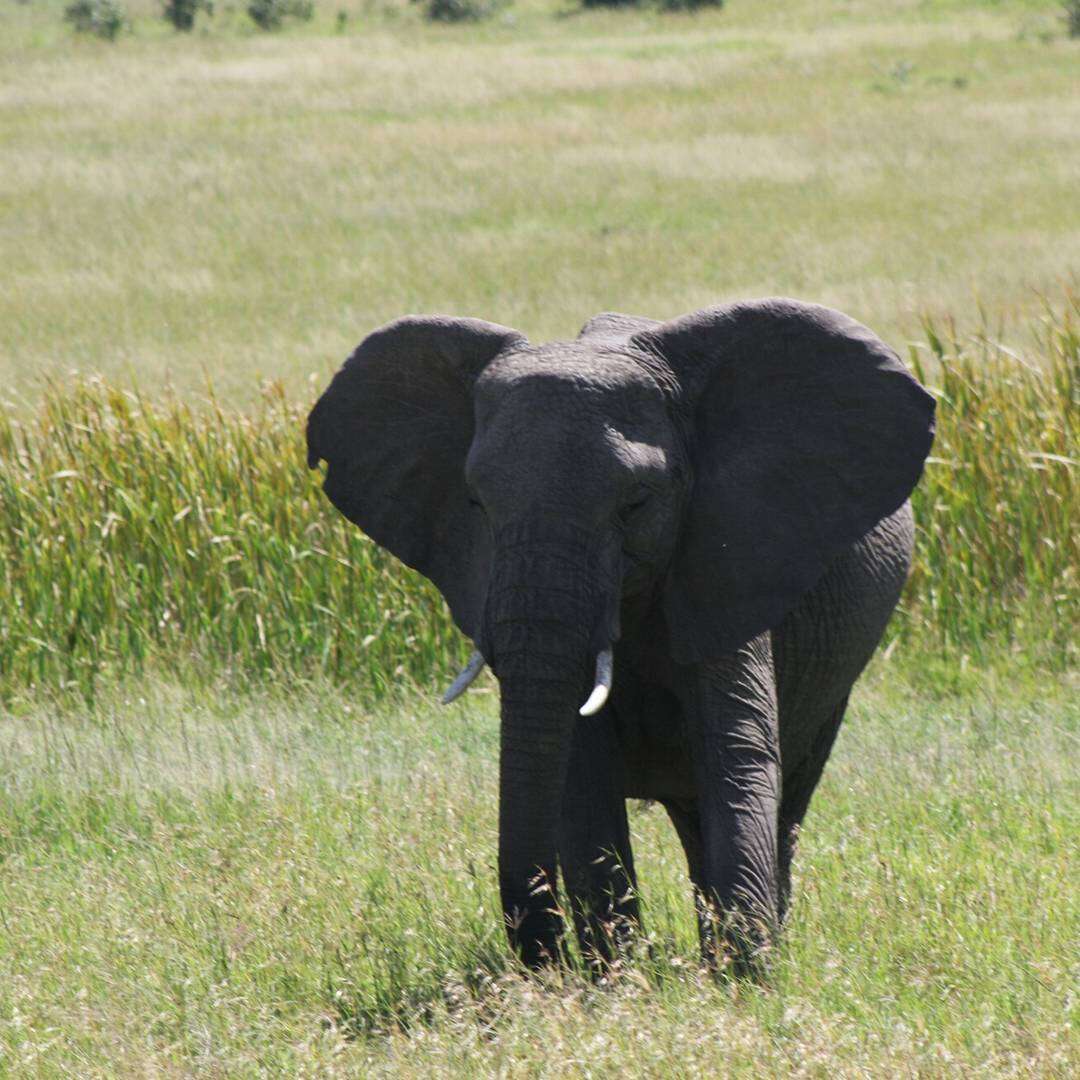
<point x="737" y="764"/>
<point x="594" y="844"/>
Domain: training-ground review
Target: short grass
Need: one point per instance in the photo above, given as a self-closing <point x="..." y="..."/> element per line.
<point x="222" y="886"/>
<point x="247" y="204"/>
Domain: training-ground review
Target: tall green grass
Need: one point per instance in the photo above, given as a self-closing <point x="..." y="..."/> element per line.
<point x="133" y="531"/>
<point x="137" y="532"/>
<point x="998" y="553"/>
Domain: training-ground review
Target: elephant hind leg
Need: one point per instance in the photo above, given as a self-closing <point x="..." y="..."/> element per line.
<point x="798" y="787"/>
<point x="686" y="819"/>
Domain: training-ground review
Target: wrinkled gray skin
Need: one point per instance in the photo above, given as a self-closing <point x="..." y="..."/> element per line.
<point x="723" y="497"/>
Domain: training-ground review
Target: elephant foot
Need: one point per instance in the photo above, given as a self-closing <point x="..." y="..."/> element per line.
<point x="735" y="944"/>
<point x="534" y="924"/>
<point x="607" y="944"/>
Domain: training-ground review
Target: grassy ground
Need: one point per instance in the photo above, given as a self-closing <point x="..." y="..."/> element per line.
<point x="284" y="884"/>
<point x="245" y="204"/>
<point x="196" y="879"/>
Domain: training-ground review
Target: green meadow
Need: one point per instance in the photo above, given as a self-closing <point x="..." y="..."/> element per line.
<point x="286" y="884"/>
<point x="236" y="837"/>
<point x="241" y="205"/>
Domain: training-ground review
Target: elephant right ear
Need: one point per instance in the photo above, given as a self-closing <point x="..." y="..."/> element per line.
<point x="804" y="430"/>
<point x="394" y="427"/>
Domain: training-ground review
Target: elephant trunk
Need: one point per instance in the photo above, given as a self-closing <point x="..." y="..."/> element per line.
<point x="537" y="722"/>
<point x="540" y="621"/>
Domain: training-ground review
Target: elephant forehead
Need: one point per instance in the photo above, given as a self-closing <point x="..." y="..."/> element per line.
<point x="569" y="363"/>
<point x="565" y="373"/>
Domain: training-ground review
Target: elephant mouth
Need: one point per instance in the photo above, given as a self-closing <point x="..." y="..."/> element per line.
<point x="605" y="664"/>
<point x="639" y="575"/>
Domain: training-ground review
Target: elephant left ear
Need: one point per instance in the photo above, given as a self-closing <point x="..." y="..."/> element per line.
<point x="804" y="430"/>
<point x="395" y="426"/>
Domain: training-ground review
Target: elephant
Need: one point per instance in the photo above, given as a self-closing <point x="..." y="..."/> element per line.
<point x="705" y="520"/>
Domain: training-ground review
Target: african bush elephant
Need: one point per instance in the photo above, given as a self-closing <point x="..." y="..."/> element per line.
<point x="710" y="514"/>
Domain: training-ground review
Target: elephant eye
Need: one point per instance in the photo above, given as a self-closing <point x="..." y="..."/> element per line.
<point x="631" y="508"/>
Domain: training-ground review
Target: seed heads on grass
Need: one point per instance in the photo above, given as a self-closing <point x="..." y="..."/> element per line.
<point x="135" y="531"/>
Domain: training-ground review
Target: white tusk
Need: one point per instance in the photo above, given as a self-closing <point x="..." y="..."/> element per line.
<point x="468" y="674"/>
<point x="599" y="696"/>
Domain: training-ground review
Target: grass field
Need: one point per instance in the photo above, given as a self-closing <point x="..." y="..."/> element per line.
<point x="241" y="205"/>
<point x="283" y="884"/>
<point x="234" y="837"/>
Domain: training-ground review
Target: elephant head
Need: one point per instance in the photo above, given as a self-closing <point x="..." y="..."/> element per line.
<point x="707" y="468"/>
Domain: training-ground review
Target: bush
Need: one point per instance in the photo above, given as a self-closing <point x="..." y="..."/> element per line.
<point x="181" y="13"/>
<point x="663" y="5"/>
<point x="102" y="18"/>
<point x="1072" y="17"/>
<point x="687" y="5"/>
<point x="271" y="14"/>
<point x="461" y="10"/>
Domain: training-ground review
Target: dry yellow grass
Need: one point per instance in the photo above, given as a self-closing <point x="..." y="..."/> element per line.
<point x="251" y="204"/>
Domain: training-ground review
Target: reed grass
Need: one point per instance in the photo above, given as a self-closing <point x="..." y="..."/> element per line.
<point x="138" y="531"/>
<point x="998" y="557"/>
